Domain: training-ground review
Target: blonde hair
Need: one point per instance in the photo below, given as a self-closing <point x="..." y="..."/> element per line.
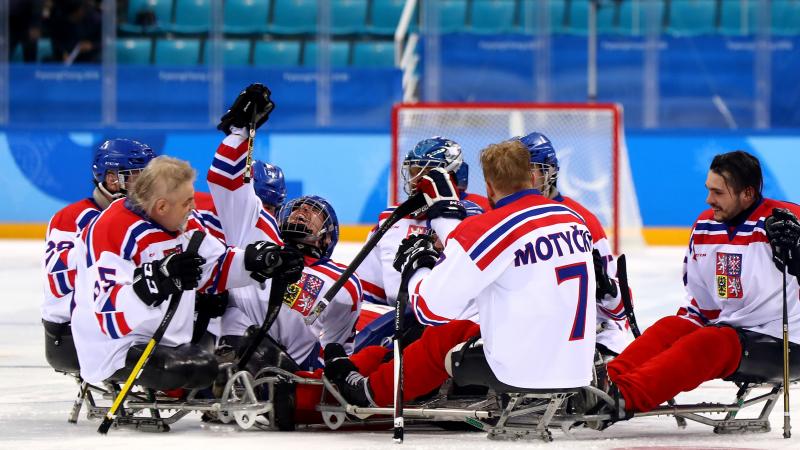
<point x="506" y="166"/>
<point x="162" y="175"/>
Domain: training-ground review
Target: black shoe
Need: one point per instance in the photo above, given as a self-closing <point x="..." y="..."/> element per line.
<point x="353" y="386"/>
<point x="617" y="411"/>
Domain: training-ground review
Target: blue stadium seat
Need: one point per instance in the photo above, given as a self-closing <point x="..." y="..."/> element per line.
<point x="161" y="9"/>
<point x="294" y="17"/>
<point x="44" y="50"/>
<point x="730" y="19"/>
<point x="177" y="52"/>
<point x="134" y="50"/>
<point x="452" y="15"/>
<point x="692" y="17"/>
<point x="192" y="16"/>
<point x="493" y="16"/>
<point x="348" y="16"/>
<point x="235" y="52"/>
<point x="340" y="53"/>
<point x="530" y="13"/>
<point x="246" y="16"/>
<point x="277" y="53"/>
<point x="579" y="17"/>
<point x="385" y="15"/>
<point x="786" y="17"/>
<point x="373" y="54"/>
<point x="633" y="15"/>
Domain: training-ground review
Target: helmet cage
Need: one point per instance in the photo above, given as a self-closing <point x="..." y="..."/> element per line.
<point x="295" y="218"/>
<point x="546" y="176"/>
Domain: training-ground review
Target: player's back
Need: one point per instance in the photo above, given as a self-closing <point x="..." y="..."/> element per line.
<point x="537" y="321"/>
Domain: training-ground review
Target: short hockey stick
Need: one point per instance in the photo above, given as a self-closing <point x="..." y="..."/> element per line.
<point x="412" y="204"/>
<point x="251" y="138"/>
<point x="174" y="301"/>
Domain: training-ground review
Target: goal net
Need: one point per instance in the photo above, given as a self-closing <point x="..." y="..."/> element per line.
<point x="588" y="139"/>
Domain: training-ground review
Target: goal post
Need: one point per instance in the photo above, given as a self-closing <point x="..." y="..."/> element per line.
<point x="588" y="139"/>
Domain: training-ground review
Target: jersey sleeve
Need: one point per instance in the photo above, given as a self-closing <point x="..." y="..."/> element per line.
<point x="371" y="274"/>
<point x="224" y="268"/>
<point x="340" y="316"/>
<point x="699" y="307"/>
<point x="59" y="264"/>
<point x="238" y="207"/>
<point x="609" y="306"/>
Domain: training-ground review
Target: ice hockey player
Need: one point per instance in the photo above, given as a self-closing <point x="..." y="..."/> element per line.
<point x="308" y="224"/>
<point x="115" y="166"/>
<point x="731" y="322"/>
<point x="135" y="258"/>
<point x="462" y="183"/>
<point x="613" y="333"/>
<point x="526" y="266"/>
<point x="377" y="275"/>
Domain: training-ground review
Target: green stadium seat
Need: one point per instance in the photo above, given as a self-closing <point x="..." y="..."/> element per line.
<point x="385" y="16"/>
<point x="493" y="16"/>
<point x="692" y="17"/>
<point x="235" y="52"/>
<point x="339" y="50"/>
<point x="192" y="16"/>
<point x="348" y="16"/>
<point x="276" y="53"/>
<point x="373" y="54"/>
<point x="294" y="17"/>
<point x="246" y="16"/>
<point x="177" y="52"/>
<point x="134" y="50"/>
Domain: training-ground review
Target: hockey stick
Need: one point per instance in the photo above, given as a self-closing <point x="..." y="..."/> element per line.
<point x="174" y="301"/>
<point x="251" y="138"/>
<point x="787" y="427"/>
<point x="276" y="291"/>
<point x="412" y="204"/>
<point x="399" y="313"/>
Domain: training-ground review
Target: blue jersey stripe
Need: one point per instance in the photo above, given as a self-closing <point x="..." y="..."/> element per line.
<point x="227" y="168"/>
<point x="341" y="271"/>
<point x="127" y="252"/>
<point x="110" y="327"/>
<point x="87" y="217"/>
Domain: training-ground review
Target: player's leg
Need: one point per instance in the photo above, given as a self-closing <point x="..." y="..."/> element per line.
<point x="704" y="354"/>
<point x="655" y="339"/>
<point x="186" y="366"/>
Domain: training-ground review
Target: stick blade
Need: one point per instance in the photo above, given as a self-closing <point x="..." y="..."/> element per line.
<point x="105" y="426"/>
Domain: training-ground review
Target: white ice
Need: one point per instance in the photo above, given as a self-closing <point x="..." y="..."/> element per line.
<point x="34" y="400"/>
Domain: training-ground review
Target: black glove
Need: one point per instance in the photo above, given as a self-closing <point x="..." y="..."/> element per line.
<point x="605" y="285"/>
<point x="267" y="260"/>
<point x="414" y="252"/>
<point x="783" y="232"/>
<point x="211" y="305"/>
<point x="441" y="195"/>
<point x="241" y="112"/>
<point x="153" y="282"/>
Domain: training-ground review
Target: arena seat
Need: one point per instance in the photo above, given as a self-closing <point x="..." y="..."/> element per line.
<point x="579" y="17"/>
<point x="348" y="16"/>
<point x="134" y="50"/>
<point x="385" y="16"/>
<point x="731" y="21"/>
<point x="339" y="50"/>
<point x="786" y="17"/>
<point x="452" y="15"/>
<point x="246" y="16"/>
<point x="633" y="15"/>
<point x="373" y="54"/>
<point x="235" y="52"/>
<point x="493" y="16"/>
<point x="44" y="50"/>
<point x="530" y="15"/>
<point x="177" y="52"/>
<point x="161" y="9"/>
<point x="294" y="17"/>
<point x="692" y="17"/>
<point x="191" y="16"/>
<point x="276" y="53"/>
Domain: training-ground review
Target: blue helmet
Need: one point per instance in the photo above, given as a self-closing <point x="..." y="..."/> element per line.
<point x="269" y="183"/>
<point x="296" y="223"/>
<point x="543" y="156"/>
<point x="427" y="154"/>
<point x="462" y="177"/>
<point x="123" y="156"/>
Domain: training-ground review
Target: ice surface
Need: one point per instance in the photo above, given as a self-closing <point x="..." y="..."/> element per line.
<point x="34" y="400"/>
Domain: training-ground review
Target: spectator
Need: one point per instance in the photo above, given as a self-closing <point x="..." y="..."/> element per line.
<point x="25" y="27"/>
<point x="75" y="31"/>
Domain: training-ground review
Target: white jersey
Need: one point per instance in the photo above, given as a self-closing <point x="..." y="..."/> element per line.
<point x="377" y="273"/>
<point x="730" y="277"/>
<point x="306" y="321"/>
<point x="59" y="261"/>
<point x="528" y="266"/>
<point x="109" y="317"/>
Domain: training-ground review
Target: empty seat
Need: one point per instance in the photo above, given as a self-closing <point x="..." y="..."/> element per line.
<point x="178" y="52"/>
<point x="134" y="51"/>
<point x="579" y="16"/>
<point x="692" y="17"/>
<point x="235" y="52"/>
<point x="531" y="11"/>
<point x="786" y="17"/>
<point x="634" y="16"/>
<point x="294" y="17"/>
<point x="452" y="15"/>
<point x="276" y="53"/>
<point x="161" y="11"/>
<point x="493" y="16"/>
<point x="191" y="16"/>
<point x="246" y="16"/>
<point x="348" y="16"/>
<point x="385" y="16"/>
<point x="44" y="50"/>
<point x="373" y="54"/>
<point x="339" y="51"/>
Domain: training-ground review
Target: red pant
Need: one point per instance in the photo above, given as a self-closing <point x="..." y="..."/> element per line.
<point x="673" y="356"/>
<point x="423" y="368"/>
